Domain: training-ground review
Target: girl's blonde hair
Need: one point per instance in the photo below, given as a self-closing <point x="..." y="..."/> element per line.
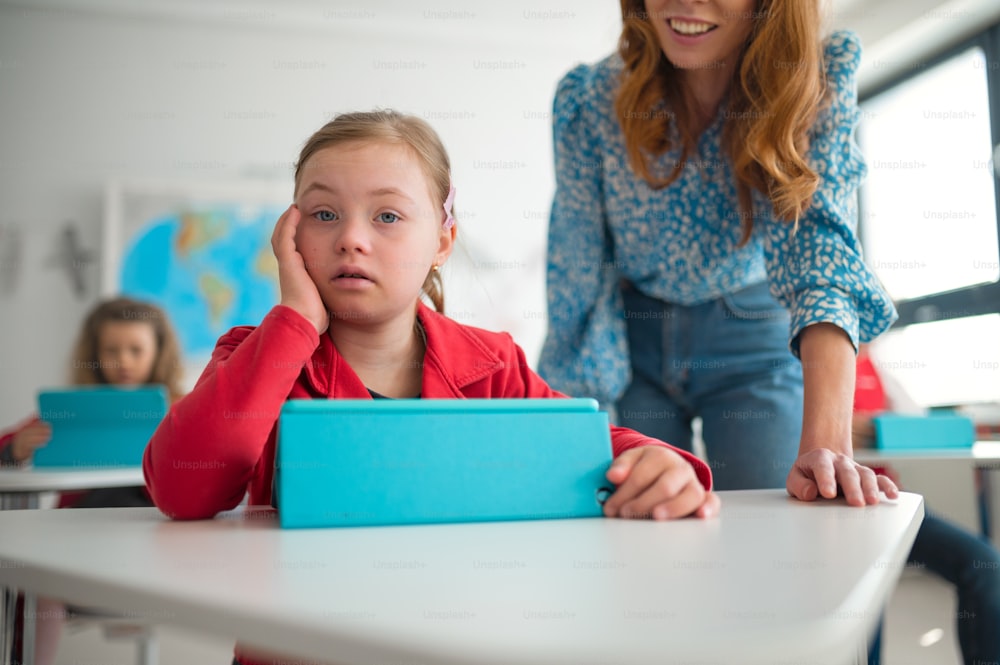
<point x="778" y="88"/>
<point x="167" y="370"/>
<point x="391" y="127"/>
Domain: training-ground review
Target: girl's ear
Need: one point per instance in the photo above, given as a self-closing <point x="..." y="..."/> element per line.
<point x="446" y="242"/>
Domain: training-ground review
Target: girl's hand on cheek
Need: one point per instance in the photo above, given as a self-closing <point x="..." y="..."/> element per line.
<point x="297" y="288"/>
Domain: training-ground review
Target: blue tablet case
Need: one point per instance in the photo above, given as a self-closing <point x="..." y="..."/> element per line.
<point x="380" y="462"/>
<point x="938" y="430"/>
<point x="100" y="426"/>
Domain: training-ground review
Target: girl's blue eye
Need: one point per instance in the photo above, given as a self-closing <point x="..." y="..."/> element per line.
<point x="325" y="215"/>
<point x="388" y="217"/>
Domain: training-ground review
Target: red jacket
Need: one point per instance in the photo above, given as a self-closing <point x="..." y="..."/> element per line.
<point x="219" y="440"/>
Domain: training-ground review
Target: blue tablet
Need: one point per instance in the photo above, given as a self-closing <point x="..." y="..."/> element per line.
<point x="99" y="426"/>
<point x="894" y="431"/>
<point x="384" y="461"/>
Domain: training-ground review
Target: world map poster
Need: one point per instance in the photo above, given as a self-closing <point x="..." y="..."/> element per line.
<point x="202" y="253"/>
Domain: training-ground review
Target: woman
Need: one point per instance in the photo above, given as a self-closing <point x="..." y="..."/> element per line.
<point x="702" y="244"/>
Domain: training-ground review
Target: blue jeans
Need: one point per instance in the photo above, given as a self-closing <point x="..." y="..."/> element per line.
<point x="972" y="566"/>
<point x="727" y="362"/>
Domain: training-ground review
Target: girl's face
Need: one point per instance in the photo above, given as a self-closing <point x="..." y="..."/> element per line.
<point x="702" y="34"/>
<point x="370" y="230"/>
<point x="126" y="352"/>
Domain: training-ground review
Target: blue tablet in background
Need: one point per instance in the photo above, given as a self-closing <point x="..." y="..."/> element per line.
<point x="99" y="426"/>
<point x="895" y="431"/>
<point x="414" y="461"/>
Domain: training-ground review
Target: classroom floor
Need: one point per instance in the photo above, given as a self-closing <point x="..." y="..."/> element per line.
<point x="920" y="622"/>
<point x="922" y="609"/>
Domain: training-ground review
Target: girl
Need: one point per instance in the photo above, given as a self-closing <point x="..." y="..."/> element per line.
<point x="370" y="227"/>
<point x="122" y="342"/>
<point x="703" y="225"/>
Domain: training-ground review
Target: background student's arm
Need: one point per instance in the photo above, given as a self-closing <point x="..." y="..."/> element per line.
<point x="6" y="454"/>
<point x="18" y="446"/>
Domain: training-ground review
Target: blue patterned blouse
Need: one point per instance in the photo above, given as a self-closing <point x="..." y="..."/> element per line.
<point x="680" y="243"/>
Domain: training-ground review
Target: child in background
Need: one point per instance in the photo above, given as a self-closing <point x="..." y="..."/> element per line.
<point x="122" y="342"/>
<point x="370" y="227"/>
<point x="968" y="562"/>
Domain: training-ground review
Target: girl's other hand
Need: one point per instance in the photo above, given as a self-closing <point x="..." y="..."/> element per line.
<point x="29" y="439"/>
<point x="654" y="482"/>
<point x="298" y="290"/>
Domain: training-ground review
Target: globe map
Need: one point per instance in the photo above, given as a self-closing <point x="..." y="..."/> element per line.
<point x="209" y="269"/>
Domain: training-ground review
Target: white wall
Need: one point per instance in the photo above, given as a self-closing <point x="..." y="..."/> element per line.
<point x="92" y="90"/>
<point x="212" y="93"/>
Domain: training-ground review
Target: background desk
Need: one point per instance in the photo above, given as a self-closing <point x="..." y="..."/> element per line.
<point x="957" y="483"/>
<point x="981" y="454"/>
<point x="770" y="580"/>
<point x="21" y="488"/>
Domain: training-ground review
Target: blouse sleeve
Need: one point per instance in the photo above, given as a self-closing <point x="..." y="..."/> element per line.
<point x="815" y="268"/>
<point x="585" y="351"/>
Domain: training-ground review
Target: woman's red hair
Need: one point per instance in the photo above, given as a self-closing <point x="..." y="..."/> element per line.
<point x="772" y="104"/>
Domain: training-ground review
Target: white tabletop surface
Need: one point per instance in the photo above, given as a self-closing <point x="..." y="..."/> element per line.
<point x="771" y="580"/>
<point x="57" y="479"/>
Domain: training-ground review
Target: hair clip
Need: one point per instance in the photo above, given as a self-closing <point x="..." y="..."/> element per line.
<point x="449" y="220"/>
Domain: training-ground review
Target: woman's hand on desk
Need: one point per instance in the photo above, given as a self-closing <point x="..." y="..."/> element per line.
<point x="29" y="439"/>
<point x="823" y="473"/>
<point x="657" y="483"/>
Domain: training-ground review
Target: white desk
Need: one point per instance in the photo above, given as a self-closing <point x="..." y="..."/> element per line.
<point x="771" y="580"/>
<point x="21" y="488"/>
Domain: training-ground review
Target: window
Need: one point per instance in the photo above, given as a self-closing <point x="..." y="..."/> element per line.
<point x="952" y="362"/>
<point x="929" y="221"/>
<point x="929" y="199"/>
